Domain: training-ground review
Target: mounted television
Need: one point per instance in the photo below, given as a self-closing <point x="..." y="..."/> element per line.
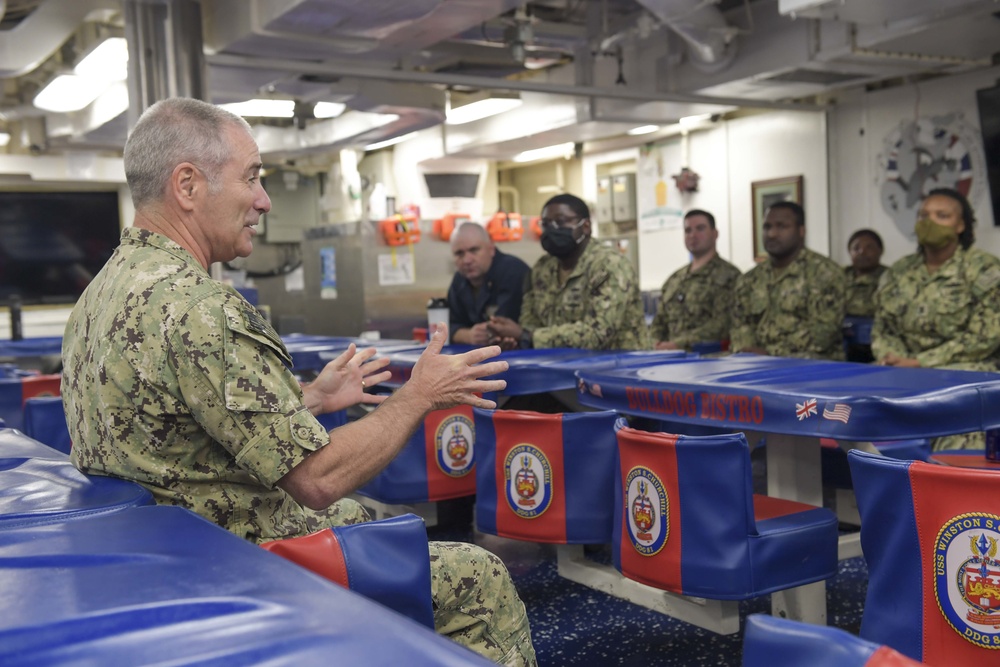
<point x="452" y="185"/>
<point x="53" y="243"/>
<point x="988" y="101"/>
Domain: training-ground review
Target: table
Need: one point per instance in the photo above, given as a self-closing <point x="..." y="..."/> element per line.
<point x="536" y="371"/>
<point x="160" y="584"/>
<point x="311" y="353"/>
<point x="795" y="402"/>
<point x="972" y="458"/>
<point x="39" y="354"/>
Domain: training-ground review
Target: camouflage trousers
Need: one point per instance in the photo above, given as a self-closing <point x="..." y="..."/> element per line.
<point x="475" y="602"/>
<point x="975" y="440"/>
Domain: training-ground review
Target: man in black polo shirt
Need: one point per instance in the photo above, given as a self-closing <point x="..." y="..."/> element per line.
<point x="487" y="282"/>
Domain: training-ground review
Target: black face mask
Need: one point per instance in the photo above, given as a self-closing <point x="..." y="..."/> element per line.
<point x="559" y="242"/>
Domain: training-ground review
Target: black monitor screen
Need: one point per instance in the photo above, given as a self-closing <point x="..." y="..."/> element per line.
<point x="452" y="185"/>
<point x="52" y="244"/>
<point x="989" y="120"/>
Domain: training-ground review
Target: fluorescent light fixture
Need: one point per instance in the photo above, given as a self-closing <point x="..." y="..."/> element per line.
<point x="643" y="129"/>
<point x="385" y="119"/>
<point x="4" y="139"/>
<point x="107" y="62"/>
<point x="67" y="92"/>
<point x="490" y="106"/>
<point x="390" y="142"/>
<point x="328" y="109"/>
<point x="694" y="120"/>
<point x="262" y="108"/>
<point x="559" y="150"/>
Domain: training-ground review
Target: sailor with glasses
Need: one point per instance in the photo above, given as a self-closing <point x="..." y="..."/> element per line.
<point x="580" y="294"/>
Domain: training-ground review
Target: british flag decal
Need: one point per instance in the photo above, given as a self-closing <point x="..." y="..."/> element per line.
<point x="806" y="409"/>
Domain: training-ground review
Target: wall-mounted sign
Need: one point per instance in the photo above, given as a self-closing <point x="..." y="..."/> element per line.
<point x="927" y="153"/>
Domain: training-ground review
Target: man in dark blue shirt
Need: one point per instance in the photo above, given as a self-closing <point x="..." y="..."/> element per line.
<point x="487" y="282"/>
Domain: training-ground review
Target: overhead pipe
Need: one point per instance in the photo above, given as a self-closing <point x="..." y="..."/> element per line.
<point x="485" y="82"/>
<point x="710" y="40"/>
<point x="342" y="44"/>
<point x="32" y="41"/>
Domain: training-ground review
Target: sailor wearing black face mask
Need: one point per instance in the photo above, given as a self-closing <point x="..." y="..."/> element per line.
<point x="582" y="294"/>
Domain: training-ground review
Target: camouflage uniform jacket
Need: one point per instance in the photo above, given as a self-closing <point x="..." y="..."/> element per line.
<point x="861" y="291"/>
<point x="599" y="307"/>
<point x="947" y="318"/>
<point x="696" y="307"/>
<point x="797" y="312"/>
<point x="172" y="380"/>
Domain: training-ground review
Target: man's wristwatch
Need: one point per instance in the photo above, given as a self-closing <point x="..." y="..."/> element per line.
<point x="525" y="341"/>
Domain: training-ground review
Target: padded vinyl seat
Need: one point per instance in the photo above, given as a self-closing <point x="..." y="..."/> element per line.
<point x="776" y="642"/>
<point x="160" y="585"/>
<point x="435" y="464"/>
<point x="931" y="539"/>
<point x="386" y="561"/>
<point x="45" y="421"/>
<point x="40" y="485"/>
<point x="16" y="390"/>
<point x="545" y="477"/>
<point x="687" y="521"/>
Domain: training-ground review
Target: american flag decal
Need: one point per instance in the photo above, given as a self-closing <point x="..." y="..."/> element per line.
<point x="807" y="409"/>
<point x="837" y="411"/>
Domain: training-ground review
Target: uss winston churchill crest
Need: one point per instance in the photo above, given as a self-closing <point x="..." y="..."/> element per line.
<point x="528" y="476"/>
<point x="967" y="577"/>
<point x="453" y="444"/>
<point x="646" y="506"/>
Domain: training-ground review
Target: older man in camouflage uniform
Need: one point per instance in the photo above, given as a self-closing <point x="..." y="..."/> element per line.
<point x="792" y="304"/>
<point x="174" y="381"/>
<point x="697" y="300"/>
<point x="581" y="294"/>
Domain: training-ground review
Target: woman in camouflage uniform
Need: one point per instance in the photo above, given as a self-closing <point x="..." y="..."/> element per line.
<point x="940" y="307"/>
<point x="865" y="247"/>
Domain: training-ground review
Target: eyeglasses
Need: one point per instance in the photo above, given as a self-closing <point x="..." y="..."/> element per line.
<point x="552" y="223"/>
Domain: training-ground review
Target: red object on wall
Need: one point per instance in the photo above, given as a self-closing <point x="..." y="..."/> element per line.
<point x="400" y="230"/>
<point x="445" y="226"/>
<point x="505" y="226"/>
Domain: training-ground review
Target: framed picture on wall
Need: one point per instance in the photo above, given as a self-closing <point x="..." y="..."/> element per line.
<point x="764" y="194"/>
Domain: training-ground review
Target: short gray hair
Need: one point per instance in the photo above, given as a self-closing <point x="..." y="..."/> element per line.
<point x="170" y="132"/>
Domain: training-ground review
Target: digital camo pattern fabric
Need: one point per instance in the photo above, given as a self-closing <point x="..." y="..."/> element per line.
<point x="795" y="312"/>
<point x="475" y="603"/>
<point x="696" y="307"/>
<point x="173" y="380"/>
<point x="599" y="307"/>
<point x="861" y="291"/>
<point x="946" y="319"/>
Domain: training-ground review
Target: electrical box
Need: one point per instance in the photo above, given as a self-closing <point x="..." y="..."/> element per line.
<point x="623" y="197"/>
<point x="604" y="213"/>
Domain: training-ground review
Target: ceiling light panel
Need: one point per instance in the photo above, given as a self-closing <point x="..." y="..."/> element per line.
<point x="490" y="106"/>
<point x="67" y="92"/>
<point x="108" y="62"/>
<point x="262" y="108"/>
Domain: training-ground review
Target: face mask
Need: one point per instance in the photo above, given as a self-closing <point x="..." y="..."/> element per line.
<point x="934" y="236"/>
<point x="559" y="242"/>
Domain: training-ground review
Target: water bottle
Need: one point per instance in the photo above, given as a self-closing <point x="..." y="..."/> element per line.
<point x="437" y="312"/>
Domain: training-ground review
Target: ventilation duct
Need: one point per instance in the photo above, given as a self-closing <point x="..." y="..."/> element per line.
<point x="33" y="40"/>
<point x="710" y="40"/>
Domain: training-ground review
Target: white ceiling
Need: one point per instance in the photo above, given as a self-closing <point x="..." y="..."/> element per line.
<point x="587" y="69"/>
